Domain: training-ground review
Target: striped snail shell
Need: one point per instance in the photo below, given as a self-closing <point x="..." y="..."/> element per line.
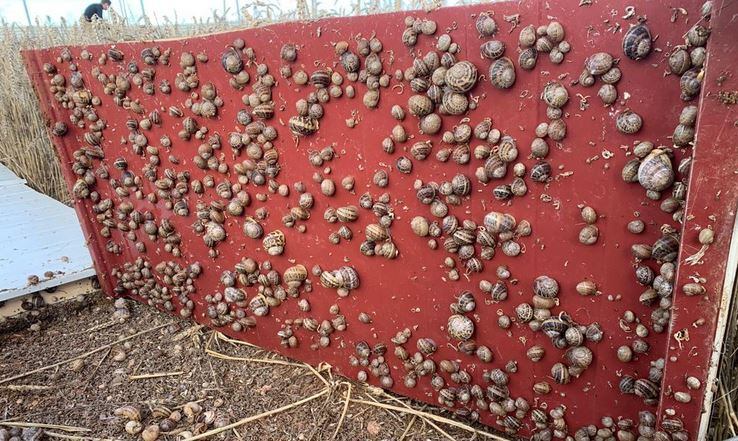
<point x="274" y="243"/>
<point x="295" y="275"/>
<point x="420" y="150"/>
<point x="518" y="187"/>
<point x="453" y="103"/>
<point x="492" y="49"/>
<point x="502" y="192"/>
<point x="608" y="94"/>
<point x="535" y="353"/>
<point x="497" y="222"/>
<point x="495" y="167"/>
<point x="348" y="213"/>
<point x="461" y="77"/>
<point x="555" y="95"/>
<point x="348" y="277"/>
<point x="460" y="327"/>
<point x="579" y="356"/>
<point x="656" y="172"/>
<point x="637" y="42"/>
<point x="420" y="105"/>
<point x="630" y="170"/>
<point x="466" y="302"/>
<point x="646" y="389"/>
<point x="683" y="135"/>
<point x="376" y="233"/>
<point x="627" y="384"/>
<point x="560" y="373"/>
<point x="691" y="83"/>
<point x="303" y="125"/>
<point x="586" y="79"/>
<point x="486" y="25"/>
<point x="679" y="61"/>
<point x="527" y="58"/>
<point x="231" y="61"/>
<point x="502" y="73"/>
<point x="554" y="327"/>
<point x="628" y="122"/>
<point x="461" y="185"/>
<point x="598" y="63"/>
<point x="612" y="76"/>
<point x="541" y="171"/>
<point x="524" y="312"/>
<point x="507" y="149"/>
<point x="499" y="291"/>
<point x="666" y="248"/>
<point x="546" y="287"/>
<point x="426" y="346"/>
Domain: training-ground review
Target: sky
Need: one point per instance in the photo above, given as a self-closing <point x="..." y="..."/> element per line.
<point x="13" y="11"/>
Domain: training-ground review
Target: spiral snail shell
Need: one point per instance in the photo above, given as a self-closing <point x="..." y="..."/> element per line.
<point x="656" y="172"/>
<point x="461" y="77"/>
<point x="460" y="327"/>
<point x="628" y="122"/>
<point x="502" y="73"/>
<point x="637" y="42"/>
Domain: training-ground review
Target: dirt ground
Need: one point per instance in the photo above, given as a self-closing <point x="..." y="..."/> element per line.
<point x="194" y="364"/>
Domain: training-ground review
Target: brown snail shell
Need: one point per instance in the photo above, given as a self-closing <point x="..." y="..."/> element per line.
<point x="492" y="49"/>
<point x="527" y="37"/>
<point x="628" y="122"/>
<point x="589" y="234"/>
<point x="608" y="94"/>
<point x="612" y="76"/>
<point x="555" y="95"/>
<point x="486" y="25"/>
<point x="598" y="63"/>
<point x="527" y="58"/>
<point x="656" y="172"/>
<point x="698" y="35"/>
<point x="460" y="327"/>
<point x="637" y="42"/>
<point x="461" y="77"/>
<point x="303" y="125"/>
<point x="546" y="287"/>
<point x="679" y="61"/>
<point x="502" y="73"/>
<point x="541" y="171"/>
<point x="630" y="170"/>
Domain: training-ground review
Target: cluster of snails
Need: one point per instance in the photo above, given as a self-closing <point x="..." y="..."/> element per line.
<point x="648" y="388"/>
<point x="542" y="39"/>
<point x="688" y="60"/>
<point x="660" y="286"/>
<point x="378" y="237"/>
<point x="624" y="429"/>
<point x="324" y="328"/>
<point x="163" y="420"/>
<point x="555" y="96"/>
<point x="684" y="132"/>
<point x="372" y="358"/>
<point x="549" y="426"/>
<point x="652" y="168"/>
<point x="589" y="233"/>
<point x="180" y="281"/>
<point x="343" y="280"/>
<point x="261" y="166"/>
<point x="602" y="65"/>
<point x="137" y="278"/>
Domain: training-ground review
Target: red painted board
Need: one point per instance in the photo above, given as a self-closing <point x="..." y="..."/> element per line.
<point x="414" y="290"/>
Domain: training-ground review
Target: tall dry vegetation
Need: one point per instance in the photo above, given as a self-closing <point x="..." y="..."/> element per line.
<point x="25" y="147"/>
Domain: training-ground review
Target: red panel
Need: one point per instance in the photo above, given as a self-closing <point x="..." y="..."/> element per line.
<point x="414" y="290"/>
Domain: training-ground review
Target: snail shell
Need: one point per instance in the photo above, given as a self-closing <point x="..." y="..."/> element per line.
<point x="546" y="287"/>
<point x="274" y="243"/>
<point x="656" y="172"/>
<point x="527" y="58"/>
<point x="560" y="373"/>
<point x="527" y="36"/>
<point x="666" y="248"/>
<point x="683" y="135"/>
<point x="535" y="353"/>
<point x="497" y="222"/>
<point x="587" y="288"/>
<point x="303" y="125"/>
<point x="541" y="171"/>
<point x="612" y="76"/>
<point x="630" y="170"/>
<point x="502" y="73"/>
<point x="608" y="94"/>
<point x="589" y="235"/>
<point x="698" y="36"/>
<point x="555" y="95"/>
<point x="579" y="356"/>
<point x="646" y="389"/>
<point x="679" y="61"/>
<point x="628" y="122"/>
<point x="492" y="49"/>
<point x="461" y="77"/>
<point x="454" y="103"/>
<point x="231" y="61"/>
<point x="598" y="63"/>
<point x="460" y="327"/>
<point x="637" y="42"/>
<point x="486" y="25"/>
<point x="420" y="105"/>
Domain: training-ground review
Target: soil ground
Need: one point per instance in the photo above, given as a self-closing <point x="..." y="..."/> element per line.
<point x="197" y="365"/>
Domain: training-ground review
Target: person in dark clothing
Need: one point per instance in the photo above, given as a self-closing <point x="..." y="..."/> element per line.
<point x="96" y="10"/>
